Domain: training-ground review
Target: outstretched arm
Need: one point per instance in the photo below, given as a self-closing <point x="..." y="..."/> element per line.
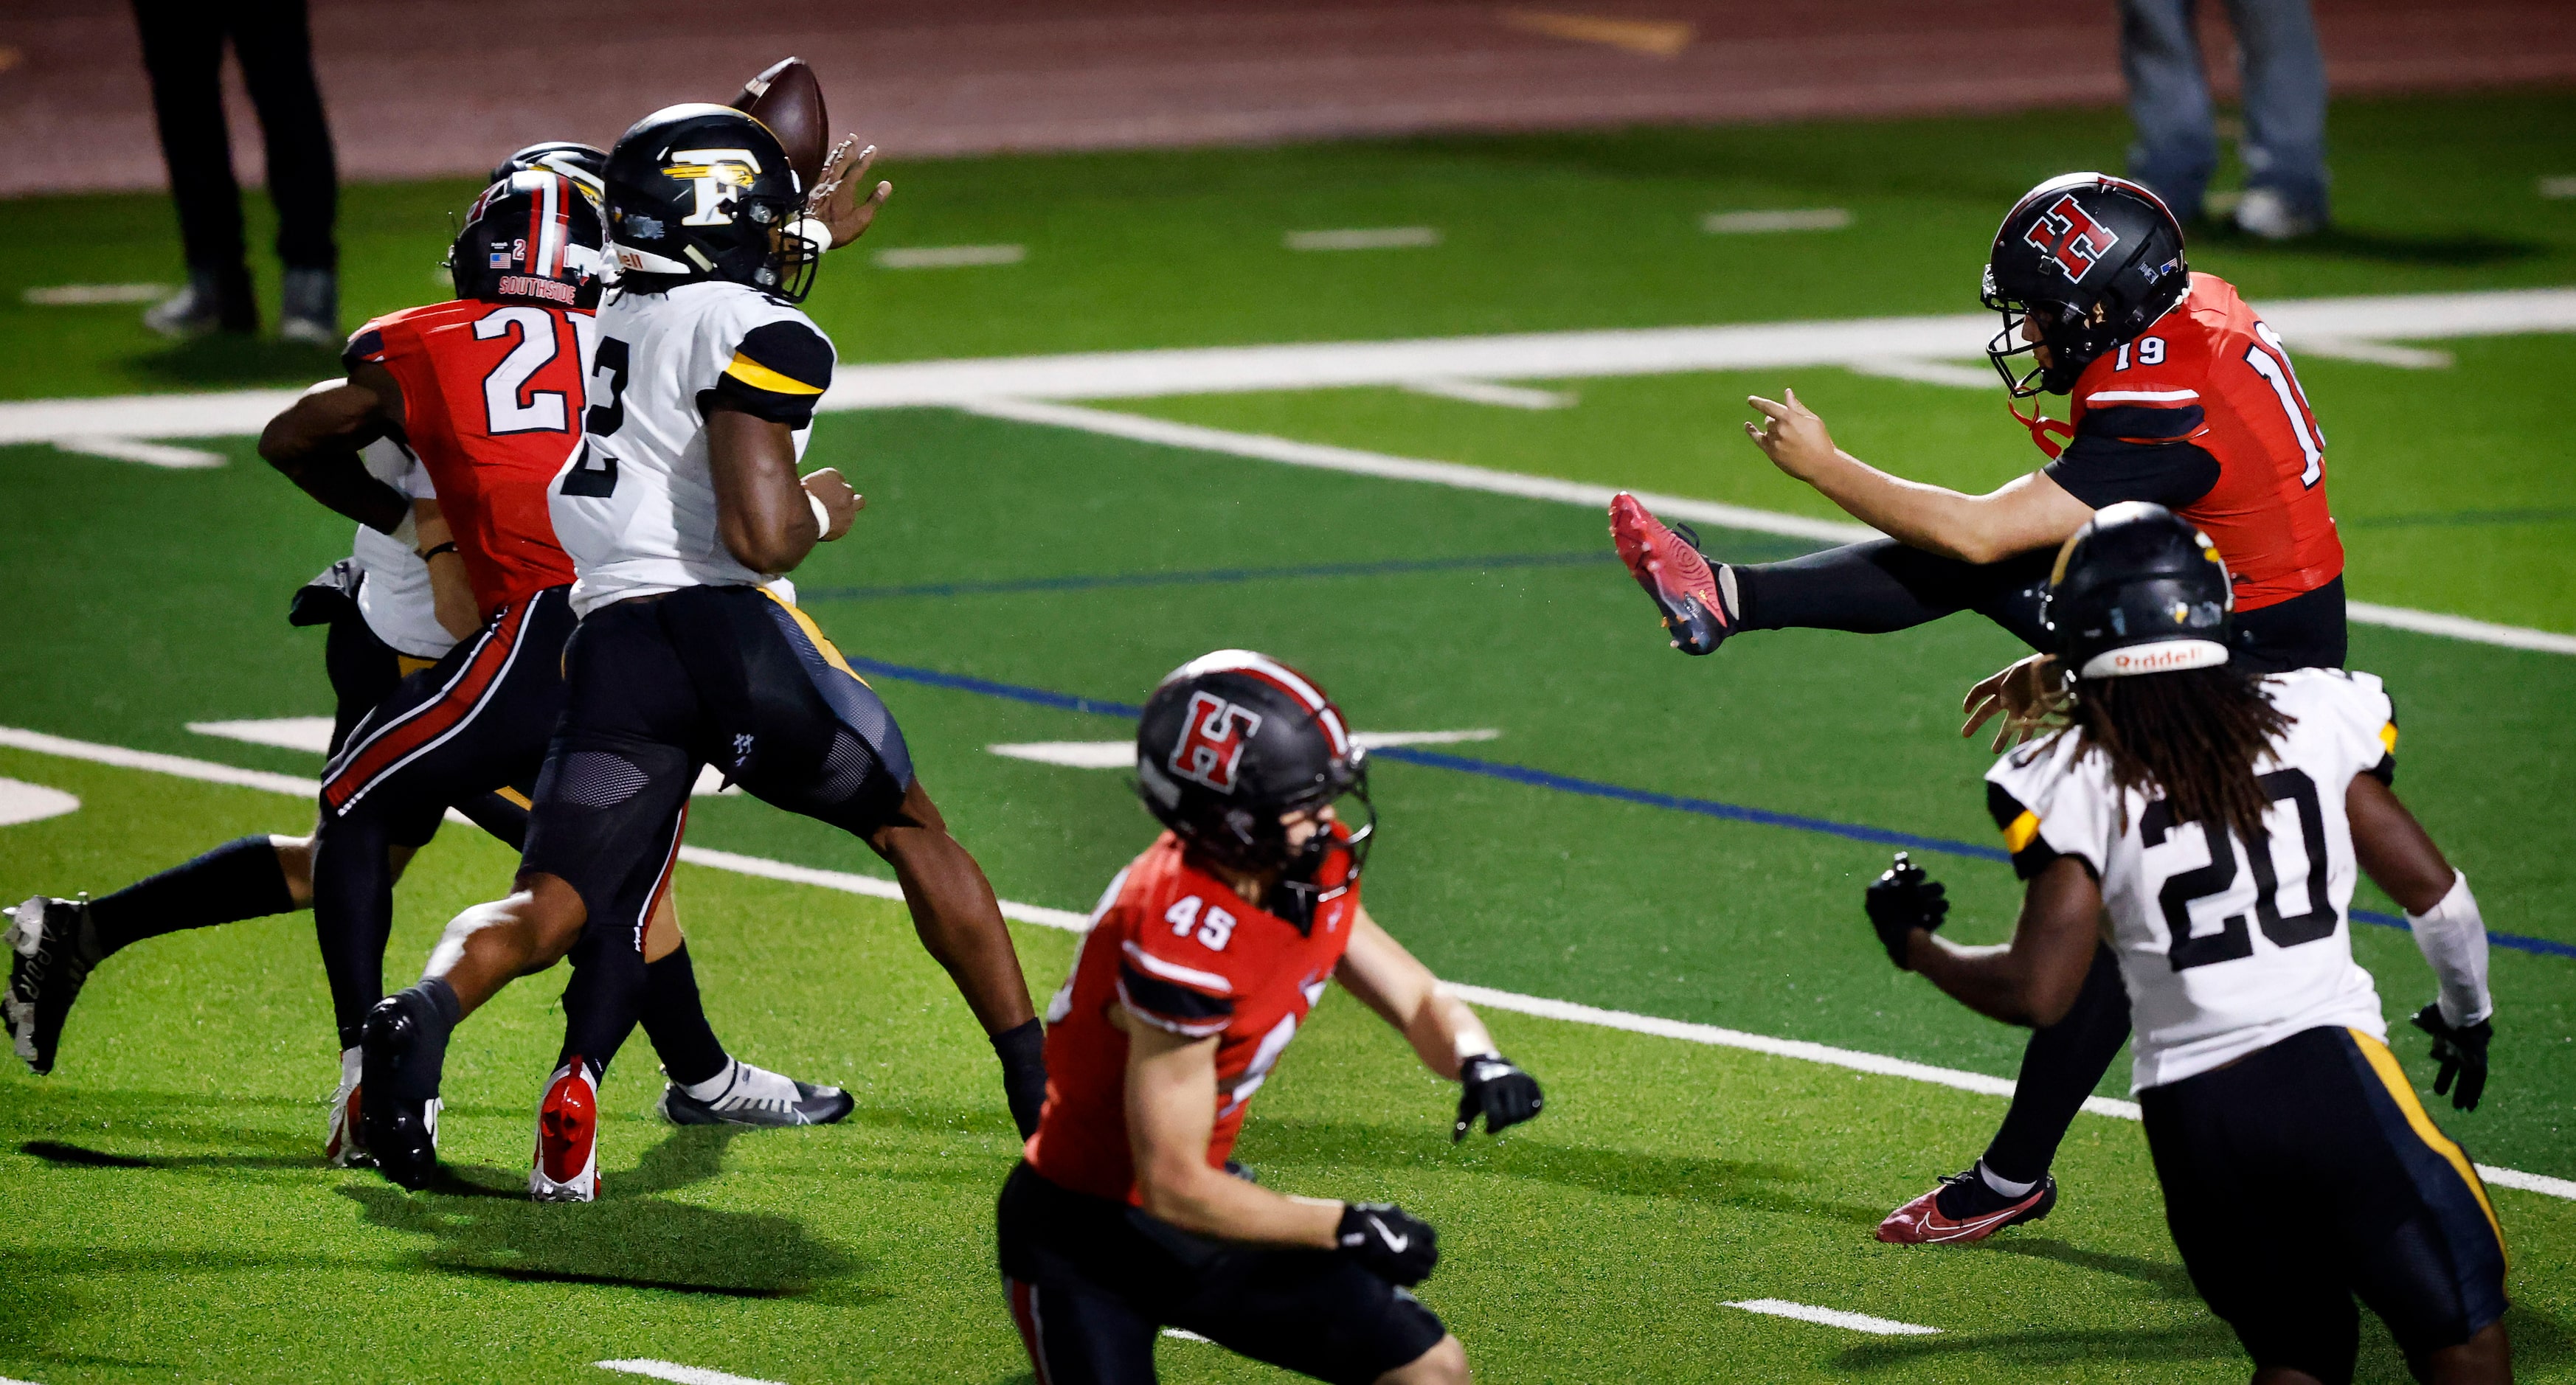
<point x="2034" y="978"/>
<point x="2399" y="857"/>
<point x="315" y="443"/>
<point x="2025" y="513"/>
<point x="1448" y="1036"/>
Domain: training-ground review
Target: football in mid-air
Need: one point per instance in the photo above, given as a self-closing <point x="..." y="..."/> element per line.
<point x="786" y="98"/>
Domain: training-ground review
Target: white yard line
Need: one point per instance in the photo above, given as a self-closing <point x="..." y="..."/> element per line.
<point x="90" y="295"/>
<point x="1182" y="1334"/>
<point x="1364" y="238"/>
<point x="23" y="802"/>
<point x="1263" y="447"/>
<point x="684" y="1375"/>
<point x="1330" y="365"/>
<point x="121" y="449"/>
<point x="1805" y="219"/>
<point x="1070" y="921"/>
<point x="949" y="256"/>
<point x="1488" y="392"/>
<point x="1835" y="1317"/>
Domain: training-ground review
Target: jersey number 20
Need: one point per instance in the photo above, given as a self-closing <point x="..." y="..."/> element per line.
<point x="2231" y="941"/>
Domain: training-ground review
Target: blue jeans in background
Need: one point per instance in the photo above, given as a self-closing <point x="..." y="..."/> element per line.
<point x="2284" y="79"/>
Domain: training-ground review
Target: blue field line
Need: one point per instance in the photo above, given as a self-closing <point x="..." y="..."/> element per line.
<point x="1592" y="788"/>
<point x="1208" y="576"/>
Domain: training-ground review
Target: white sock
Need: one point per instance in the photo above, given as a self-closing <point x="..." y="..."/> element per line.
<point x="352" y="1061"/>
<point x="715" y="1086"/>
<point x="2002" y="1185"/>
<point x="1726" y="592"/>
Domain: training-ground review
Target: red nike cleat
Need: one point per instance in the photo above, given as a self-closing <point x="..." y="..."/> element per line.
<point x="1972" y="1212"/>
<point x="1673" y="572"/>
<point x="567" y="1160"/>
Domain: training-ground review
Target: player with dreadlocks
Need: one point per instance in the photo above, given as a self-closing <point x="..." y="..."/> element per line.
<point x="2206" y="824"/>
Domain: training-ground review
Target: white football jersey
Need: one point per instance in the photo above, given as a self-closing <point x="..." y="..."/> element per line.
<point x="395" y="599"/>
<point x="2225" y="949"/>
<point x="636" y="507"/>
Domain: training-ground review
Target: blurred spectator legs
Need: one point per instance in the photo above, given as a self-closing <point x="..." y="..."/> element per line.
<point x="183" y="44"/>
<point x="2284" y="83"/>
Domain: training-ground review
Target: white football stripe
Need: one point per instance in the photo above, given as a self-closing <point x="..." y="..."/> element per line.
<point x="1835" y="1317"/>
<point x="23" y="802"/>
<point x="291" y="733"/>
<point x="683" y="1375"/>
<point x="1122" y="754"/>
<point x="1070" y="921"/>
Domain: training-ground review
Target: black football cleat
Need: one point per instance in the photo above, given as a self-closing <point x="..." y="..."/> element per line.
<point x="1675" y="575"/>
<point x="404" y="1044"/>
<point x="52" y="947"/>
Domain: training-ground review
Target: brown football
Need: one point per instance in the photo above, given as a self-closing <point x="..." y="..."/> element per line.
<point x="786" y="98"/>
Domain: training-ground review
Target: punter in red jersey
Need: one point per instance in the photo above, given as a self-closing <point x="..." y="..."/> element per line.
<point x="1207" y="953"/>
<point x="487" y="391"/>
<point x="2182" y="396"/>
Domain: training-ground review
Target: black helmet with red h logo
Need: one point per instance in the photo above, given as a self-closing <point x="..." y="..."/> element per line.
<point x="1233" y="741"/>
<point x="2092" y="259"/>
<point x="532" y="237"/>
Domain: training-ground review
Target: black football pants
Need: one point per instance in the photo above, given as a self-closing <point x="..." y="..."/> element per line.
<point x="183" y="49"/>
<point x="1883" y="585"/>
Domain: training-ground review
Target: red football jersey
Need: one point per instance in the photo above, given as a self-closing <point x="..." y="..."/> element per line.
<point x="492" y="403"/>
<point x="2212" y="357"/>
<point x="1178" y="949"/>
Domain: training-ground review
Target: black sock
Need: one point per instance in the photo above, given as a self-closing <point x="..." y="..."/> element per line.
<point x="238" y="880"/>
<point x="601" y="1003"/>
<point x="1024" y="1077"/>
<point x="676" y="1021"/>
<point x="353" y="913"/>
<point x="2059" y="1068"/>
<point x="433" y="1002"/>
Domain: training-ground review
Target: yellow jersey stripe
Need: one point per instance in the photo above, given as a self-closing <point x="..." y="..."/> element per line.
<point x="2388" y="737"/>
<point x="2393" y="1078"/>
<point x="511" y="795"/>
<point x="410" y="664"/>
<point x="761" y="377"/>
<point x="2023" y="828"/>
<point x="831" y="653"/>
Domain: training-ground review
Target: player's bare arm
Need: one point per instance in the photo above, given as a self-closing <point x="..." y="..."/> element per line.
<point x="761" y="511"/>
<point x="451" y="593"/>
<point x="2025" y="513"/>
<point x="2400" y="857"/>
<point x="1171" y="1107"/>
<point x="315" y="443"/>
<point x="1404" y="993"/>
<point x="2031" y="980"/>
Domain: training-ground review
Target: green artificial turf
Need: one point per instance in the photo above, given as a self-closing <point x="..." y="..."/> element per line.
<point x="1167" y="248"/>
<point x="1666" y="1179"/>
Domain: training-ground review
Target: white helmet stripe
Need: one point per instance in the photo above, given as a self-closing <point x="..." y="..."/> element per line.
<point x="1245" y="661"/>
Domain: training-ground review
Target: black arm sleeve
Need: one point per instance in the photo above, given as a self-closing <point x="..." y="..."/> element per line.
<point x="778" y="373"/>
<point x="2136" y="454"/>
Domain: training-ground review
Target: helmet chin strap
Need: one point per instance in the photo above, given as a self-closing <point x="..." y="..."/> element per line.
<point x="2047" y="434"/>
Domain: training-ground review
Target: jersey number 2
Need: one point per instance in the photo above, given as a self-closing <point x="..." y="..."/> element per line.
<point x="2231" y="941"/>
<point x="545" y="410"/>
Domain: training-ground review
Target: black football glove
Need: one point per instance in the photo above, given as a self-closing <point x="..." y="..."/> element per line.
<point x="1503" y="1093"/>
<point x="2462" y="1053"/>
<point x="1389" y="1242"/>
<point x="1901" y="901"/>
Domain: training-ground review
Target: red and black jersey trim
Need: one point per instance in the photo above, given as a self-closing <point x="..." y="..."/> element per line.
<point x="367" y="345"/>
<point x="1172" y="1005"/>
<point x="384" y="749"/>
<point x="2142" y="423"/>
<point x="2103" y="469"/>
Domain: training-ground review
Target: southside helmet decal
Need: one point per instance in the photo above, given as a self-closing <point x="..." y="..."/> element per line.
<point x="1212" y="740"/>
<point x="2071" y="238"/>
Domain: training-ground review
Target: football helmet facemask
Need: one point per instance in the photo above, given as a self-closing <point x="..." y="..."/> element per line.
<point x="2090" y="258"/>
<point x="2138" y="590"/>
<point x="1233" y="741"/>
<point x="532" y="237"/>
<point x="585" y="164"/>
<point x="700" y="191"/>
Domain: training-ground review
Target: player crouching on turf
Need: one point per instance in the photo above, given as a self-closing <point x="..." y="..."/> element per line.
<point x="2217" y="818"/>
<point x="1205" y="955"/>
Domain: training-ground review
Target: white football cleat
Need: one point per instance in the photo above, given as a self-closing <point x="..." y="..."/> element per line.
<point x="755" y="1096"/>
<point x="566" y="1168"/>
<point x="341" y="1146"/>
